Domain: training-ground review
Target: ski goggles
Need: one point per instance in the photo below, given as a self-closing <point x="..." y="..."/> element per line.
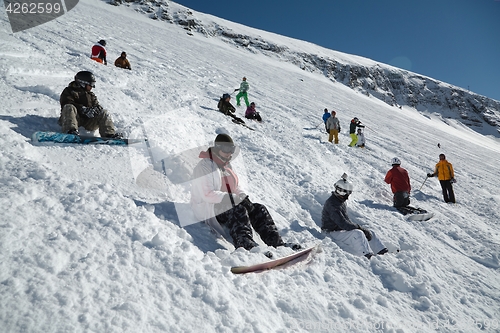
<point x="226" y="148"/>
<point x="343" y="192"/>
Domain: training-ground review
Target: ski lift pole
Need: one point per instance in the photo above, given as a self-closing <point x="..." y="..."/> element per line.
<point x="423" y="183"/>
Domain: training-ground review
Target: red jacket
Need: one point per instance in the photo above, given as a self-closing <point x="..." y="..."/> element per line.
<point x="98" y="52"/>
<point x="399" y="180"/>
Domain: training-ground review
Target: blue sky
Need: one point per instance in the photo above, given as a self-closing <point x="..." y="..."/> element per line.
<point x="454" y="41"/>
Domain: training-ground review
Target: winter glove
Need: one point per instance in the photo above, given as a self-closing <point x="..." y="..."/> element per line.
<point x="453" y="180"/>
<point x="430" y="175"/>
<point x="91" y="112"/>
<point x="245" y="202"/>
<point x="367" y="233"/>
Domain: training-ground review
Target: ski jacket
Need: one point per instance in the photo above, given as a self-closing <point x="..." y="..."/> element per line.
<point x="250" y="112"/>
<point x="225" y="107"/>
<point x="353" y="125"/>
<point x="76" y="95"/>
<point x="326" y="115"/>
<point x="444" y="170"/>
<point x="208" y="186"/>
<point x="244" y="86"/>
<point x="99" y="52"/>
<point x="334" y="215"/>
<point x="122" y="63"/>
<point x="399" y="179"/>
<point x="333" y="123"/>
<point x="361" y="140"/>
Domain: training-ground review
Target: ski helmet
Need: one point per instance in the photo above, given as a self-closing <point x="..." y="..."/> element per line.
<point x="85" y="78"/>
<point x="343" y="188"/>
<point x="102" y="42"/>
<point x="395" y="161"/>
<point x="224" y="143"/>
<point x="226" y="96"/>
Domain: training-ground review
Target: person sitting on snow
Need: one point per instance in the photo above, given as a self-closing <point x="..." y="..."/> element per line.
<point x="251" y="113"/>
<point x="216" y="194"/>
<point x="99" y="52"/>
<point x="361" y="139"/>
<point x="122" y="61"/>
<point x="225" y="105"/>
<point x="338" y="226"/>
<point x="79" y="107"/>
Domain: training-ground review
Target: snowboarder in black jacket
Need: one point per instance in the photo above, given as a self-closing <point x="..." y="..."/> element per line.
<point x="337" y="224"/>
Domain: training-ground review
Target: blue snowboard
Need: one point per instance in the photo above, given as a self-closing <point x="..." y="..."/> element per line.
<point x="86" y="140"/>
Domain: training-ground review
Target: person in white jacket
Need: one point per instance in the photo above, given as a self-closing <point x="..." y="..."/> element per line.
<point x="216" y="194"/>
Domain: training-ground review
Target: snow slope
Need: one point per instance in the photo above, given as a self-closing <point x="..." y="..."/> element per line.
<point x="90" y="241"/>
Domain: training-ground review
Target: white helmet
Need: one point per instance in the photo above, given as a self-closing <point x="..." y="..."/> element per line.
<point x="395" y="160"/>
<point x="343" y="188"/>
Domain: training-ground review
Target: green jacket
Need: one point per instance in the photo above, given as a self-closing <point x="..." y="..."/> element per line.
<point x="244" y="86"/>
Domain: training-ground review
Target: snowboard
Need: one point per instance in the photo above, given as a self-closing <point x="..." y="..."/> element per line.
<point x="420" y="217"/>
<point x="56" y="137"/>
<point x="281" y="262"/>
<point x="415" y="214"/>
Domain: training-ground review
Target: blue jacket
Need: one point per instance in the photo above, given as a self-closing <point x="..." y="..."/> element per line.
<point x="326" y="115"/>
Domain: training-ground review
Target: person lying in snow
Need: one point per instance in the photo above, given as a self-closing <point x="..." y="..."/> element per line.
<point x="338" y="226"/>
<point x="216" y="192"/>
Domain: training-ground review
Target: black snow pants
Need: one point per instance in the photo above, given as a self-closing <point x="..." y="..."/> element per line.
<point x="240" y="222"/>
<point x="448" y="194"/>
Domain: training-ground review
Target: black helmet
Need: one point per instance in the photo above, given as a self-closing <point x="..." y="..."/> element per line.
<point x="225" y="143"/>
<point x="85" y="78"/>
<point x="102" y="42"/>
<point x="225" y="96"/>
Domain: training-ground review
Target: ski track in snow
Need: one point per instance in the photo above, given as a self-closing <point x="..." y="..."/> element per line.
<point x="90" y="242"/>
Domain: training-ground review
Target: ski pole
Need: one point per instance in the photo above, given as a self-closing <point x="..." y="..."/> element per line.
<point x="423" y="183"/>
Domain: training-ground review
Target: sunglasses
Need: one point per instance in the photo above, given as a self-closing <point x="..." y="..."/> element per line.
<point x="227" y="149"/>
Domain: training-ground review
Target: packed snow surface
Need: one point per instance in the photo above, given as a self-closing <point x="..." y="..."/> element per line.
<point x="92" y="238"/>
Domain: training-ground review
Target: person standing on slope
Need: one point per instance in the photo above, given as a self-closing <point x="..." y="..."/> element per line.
<point x="244" y="86"/>
<point x="326" y="115"/>
<point x="338" y="226"/>
<point x="79" y="107"/>
<point x="399" y="180"/>
<point x="99" y="52"/>
<point x="333" y="127"/>
<point x="446" y="175"/>
<point x="355" y="122"/>
<point x="217" y="194"/>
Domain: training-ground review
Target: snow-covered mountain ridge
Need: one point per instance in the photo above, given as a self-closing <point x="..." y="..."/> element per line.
<point x="394" y="86"/>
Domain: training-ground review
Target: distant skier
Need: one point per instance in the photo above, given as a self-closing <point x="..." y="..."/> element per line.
<point x="446" y="175"/>
<point x="244" y="86"/>
<point x="122" y="61"/>
<point x="355" y="122"/>
<point x="361" y="139"/>
<point x="336" y="224"/>
<point x="326" y="115"/>
<point x="217" y="194"/>
<point x="399" y="180"/>
<point x="251" y="113"/>
<point x="79" y="107"/>
<point x="99" y="52"/>
<point x="333" y="128"/>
